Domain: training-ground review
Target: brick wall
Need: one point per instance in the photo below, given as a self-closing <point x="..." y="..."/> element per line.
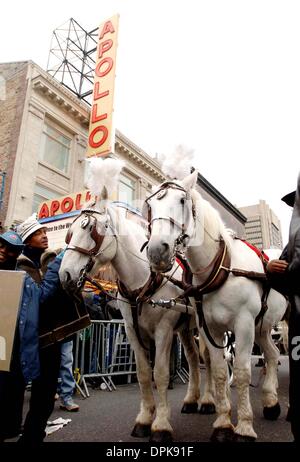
<point x="13" y="84"/>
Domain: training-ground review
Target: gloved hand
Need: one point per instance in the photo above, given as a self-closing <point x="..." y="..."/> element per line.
<point x="61" y="254"/>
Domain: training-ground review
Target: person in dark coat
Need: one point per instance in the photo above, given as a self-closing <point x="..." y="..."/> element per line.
<point x="285" y="274"/>
<point x="25" y="363"/>
<point x="54" y="314"/>
<point x="293" y="258"/>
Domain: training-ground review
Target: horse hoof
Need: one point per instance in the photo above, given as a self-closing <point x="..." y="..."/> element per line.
<point x="272" y="413"/>
<point x="161" y="436"/>
<point x="222" y="435"/>
<point x="243" y="438"/>
<point x="207" y="408"/>
<point x="189" y="408"/>
<point x="141" y="430"/>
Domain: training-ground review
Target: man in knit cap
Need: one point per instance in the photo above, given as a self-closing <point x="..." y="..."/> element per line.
<point x="25" y="364"/>
<point x="34" y="260"/>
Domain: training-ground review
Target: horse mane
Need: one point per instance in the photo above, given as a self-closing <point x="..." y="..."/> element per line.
<point x="124" y="226"/>
<point x="213" y="224"/>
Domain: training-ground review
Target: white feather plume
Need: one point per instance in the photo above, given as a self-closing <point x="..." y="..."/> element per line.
<point x="103" y="173"/>
<point x="177" y="164"/>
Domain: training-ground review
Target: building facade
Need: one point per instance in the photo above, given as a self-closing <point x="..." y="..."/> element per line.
<point x="263" y="228"/>
<point x="43" y="139"/>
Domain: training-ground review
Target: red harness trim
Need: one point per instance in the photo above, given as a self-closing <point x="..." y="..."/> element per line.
<point x="179" y="262"/>
<point x="260" y="253"/>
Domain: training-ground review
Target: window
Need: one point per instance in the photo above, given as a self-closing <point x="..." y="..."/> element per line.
<point x="55" y="148"/>
<point x="42" y="194"/>
<point x="127" y="190"/>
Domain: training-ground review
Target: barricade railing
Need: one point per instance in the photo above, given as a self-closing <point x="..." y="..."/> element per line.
<point x="102" y="351"/>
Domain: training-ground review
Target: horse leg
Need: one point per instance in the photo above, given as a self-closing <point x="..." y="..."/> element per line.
<point x="244" y="339"/>
<point x="190" y="402"/>
<point x="143" y="421"/>
<point x="207" y="401"/>
<point x="271" y="407"/>
<point x="161" y="430"/>
<point x="223" y="428"/>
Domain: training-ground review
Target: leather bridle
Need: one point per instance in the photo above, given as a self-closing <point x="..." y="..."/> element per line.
<point x="160" y="193"/>
<point x="87" y="215"/>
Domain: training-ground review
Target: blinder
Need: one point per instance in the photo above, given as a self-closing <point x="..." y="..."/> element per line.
<point x="97" y="238"/>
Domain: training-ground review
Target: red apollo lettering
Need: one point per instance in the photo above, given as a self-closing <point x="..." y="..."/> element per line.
<point x="104" y="47"/>
<point x="97" y="94"/>
<point x="67" y="204"/>
<point x="54" y="207"/>
<point x="44" y="211"/>
<point x="109" y="62"/>
<point x="88" y="196"/>
<point x="96" y="144"/>
<point x="95" y="116"/>
<point x="108" y="27"/>
<point x="78" y="202"/>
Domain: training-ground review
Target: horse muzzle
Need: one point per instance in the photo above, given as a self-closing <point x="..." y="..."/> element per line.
<point x="68" y="284"/>
<point x="160" y="258"/>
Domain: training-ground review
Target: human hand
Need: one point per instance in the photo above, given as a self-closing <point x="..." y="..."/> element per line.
<point x="277" y="266"/>
<point x="60" y="255"/>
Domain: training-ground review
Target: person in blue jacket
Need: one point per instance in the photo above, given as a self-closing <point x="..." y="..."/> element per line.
<point x="25" y="365"/>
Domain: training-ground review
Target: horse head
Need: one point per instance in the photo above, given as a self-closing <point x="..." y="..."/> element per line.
<point x="91" y="242"/>
<point x="171" y="221"/>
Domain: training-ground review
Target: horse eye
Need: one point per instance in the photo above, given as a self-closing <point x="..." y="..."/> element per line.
<point x="182" y="200"/>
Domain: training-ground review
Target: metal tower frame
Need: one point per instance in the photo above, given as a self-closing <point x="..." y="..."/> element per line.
<point x="72" y="58"/>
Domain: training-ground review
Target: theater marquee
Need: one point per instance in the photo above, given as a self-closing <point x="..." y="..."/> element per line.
<point x="101" y="137"/>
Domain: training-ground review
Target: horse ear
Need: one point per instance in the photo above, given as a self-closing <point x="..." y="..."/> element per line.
<point x="101" y="201"/>
<point x="104" y="194"/>
<point x="190" y="181"/>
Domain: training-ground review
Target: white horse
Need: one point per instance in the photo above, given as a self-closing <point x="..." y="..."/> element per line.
<point x="102" y="234"/>
<point x="180" y="217"/>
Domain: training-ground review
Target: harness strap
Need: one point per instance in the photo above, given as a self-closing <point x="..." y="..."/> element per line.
<point x="202" y="323"/>
<point x="217" y="277"/>
<point x="264" y="305"/>
<point x="249" y="274"/>
<point x="137" y="297"/>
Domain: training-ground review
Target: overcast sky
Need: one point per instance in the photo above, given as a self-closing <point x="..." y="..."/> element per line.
<point x="221" y="77"/>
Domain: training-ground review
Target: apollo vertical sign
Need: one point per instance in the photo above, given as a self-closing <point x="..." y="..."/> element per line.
<point x="101" y="138"/>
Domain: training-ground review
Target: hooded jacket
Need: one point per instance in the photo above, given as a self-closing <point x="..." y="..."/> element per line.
<point x="59" y="315"/>
<point x="37" y="272"/>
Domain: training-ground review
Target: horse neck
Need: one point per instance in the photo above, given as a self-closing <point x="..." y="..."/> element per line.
<point x="206" y="242"/>
<point x="130" y="264"/>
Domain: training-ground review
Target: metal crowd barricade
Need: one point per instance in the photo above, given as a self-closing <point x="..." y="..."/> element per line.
<point x="181" y="371"/>
<point x="102" y="351"/>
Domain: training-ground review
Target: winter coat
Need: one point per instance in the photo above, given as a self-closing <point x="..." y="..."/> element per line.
<point x="60" y="316"/>
<point x="28" y="321"/>
<point x="293" y="248"/>
<point x="25" y="264"/>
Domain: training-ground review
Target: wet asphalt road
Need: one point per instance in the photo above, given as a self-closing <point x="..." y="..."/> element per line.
<point x="109" y="416"/>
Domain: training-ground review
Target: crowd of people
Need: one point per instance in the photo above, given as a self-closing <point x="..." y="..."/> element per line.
<point x="42" y="366"/>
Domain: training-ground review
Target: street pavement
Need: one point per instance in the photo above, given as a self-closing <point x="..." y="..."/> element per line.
<point x="109" y="416"/>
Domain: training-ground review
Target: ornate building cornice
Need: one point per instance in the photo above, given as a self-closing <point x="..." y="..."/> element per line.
<point x="140" y="157"/>
<point x="55" y="93"/>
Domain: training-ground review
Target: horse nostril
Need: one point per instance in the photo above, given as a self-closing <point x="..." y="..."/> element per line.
<point x="67" y="277"/>
<point x="165" y="247"/>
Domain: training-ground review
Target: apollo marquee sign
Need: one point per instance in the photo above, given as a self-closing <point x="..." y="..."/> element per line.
<point x="101" y="139"/>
